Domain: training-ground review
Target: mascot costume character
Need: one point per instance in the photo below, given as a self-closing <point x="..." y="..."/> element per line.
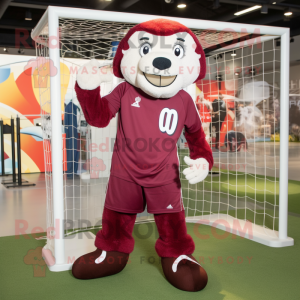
<point x="157" y="59"/>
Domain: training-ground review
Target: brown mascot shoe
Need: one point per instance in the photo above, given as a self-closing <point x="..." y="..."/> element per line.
<point x="99" y="264"/>
<point x="184" y="273"/>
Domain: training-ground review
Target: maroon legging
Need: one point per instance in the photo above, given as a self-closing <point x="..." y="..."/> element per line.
<point x="116" y="233"/>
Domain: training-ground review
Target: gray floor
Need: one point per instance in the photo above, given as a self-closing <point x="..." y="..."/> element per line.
<point x="23" y="207"/>
<point x="26" y="207"/>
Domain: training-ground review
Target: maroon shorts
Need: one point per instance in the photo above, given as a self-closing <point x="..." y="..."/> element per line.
<point x="129" y="197"/>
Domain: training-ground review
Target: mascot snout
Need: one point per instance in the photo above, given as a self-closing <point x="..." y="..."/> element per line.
<point x="159" y="69"/>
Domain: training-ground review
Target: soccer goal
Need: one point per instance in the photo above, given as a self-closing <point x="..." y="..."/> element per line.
<point x="243" y="103"/>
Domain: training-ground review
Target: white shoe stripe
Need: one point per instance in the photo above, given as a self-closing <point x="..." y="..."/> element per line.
<point x="101" y="258"/>
<point x="179" y="259"/>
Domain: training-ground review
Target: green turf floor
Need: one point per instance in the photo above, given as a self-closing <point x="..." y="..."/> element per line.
<point x="238" y="185"/>
<point x="239" y="195"/>
<point x="271" y="274"/>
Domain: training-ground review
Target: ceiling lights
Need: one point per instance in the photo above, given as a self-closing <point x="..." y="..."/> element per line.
<point x="181" y="4"/>
<point x="264" y="9"/>
<point x="28" y="16"/>
<point x="288" y="12"/>
<point x="247" y="10"/>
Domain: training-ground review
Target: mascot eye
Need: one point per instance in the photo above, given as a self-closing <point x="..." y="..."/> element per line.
<point x="178" y="51"/>
<point x="145" y="49"/>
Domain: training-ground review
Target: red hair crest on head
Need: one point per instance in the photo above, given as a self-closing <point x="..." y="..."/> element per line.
<point x="160" y="27"/>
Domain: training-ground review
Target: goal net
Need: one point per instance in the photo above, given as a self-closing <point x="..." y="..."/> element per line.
<point x="239" y="102"/>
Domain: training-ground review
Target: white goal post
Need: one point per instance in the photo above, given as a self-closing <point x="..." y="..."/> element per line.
<point x="49" y="29"/>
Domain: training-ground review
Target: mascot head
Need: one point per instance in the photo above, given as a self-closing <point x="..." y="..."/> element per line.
<point x="160" y="57"/>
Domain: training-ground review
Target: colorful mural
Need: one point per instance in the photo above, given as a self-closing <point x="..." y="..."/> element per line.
<point x="20" y="79"/>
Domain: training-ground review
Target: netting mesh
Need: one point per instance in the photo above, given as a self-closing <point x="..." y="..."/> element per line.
<point x="239" y="97"/>
<point x="241" y="91"/>
<point x="93" y="39"/>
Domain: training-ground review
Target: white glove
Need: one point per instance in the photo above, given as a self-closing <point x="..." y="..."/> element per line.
<point x="90" y="75"/>
<point x="197" y="171"/>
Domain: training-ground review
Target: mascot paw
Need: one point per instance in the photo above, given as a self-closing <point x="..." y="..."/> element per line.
<point x="197" y="171"/>
<point x="99" y="264"/>
<point x="90" y="75"/>
<point x="184" y="273"/>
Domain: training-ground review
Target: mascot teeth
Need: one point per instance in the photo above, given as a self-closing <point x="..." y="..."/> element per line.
<point x="160" y="81"/>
